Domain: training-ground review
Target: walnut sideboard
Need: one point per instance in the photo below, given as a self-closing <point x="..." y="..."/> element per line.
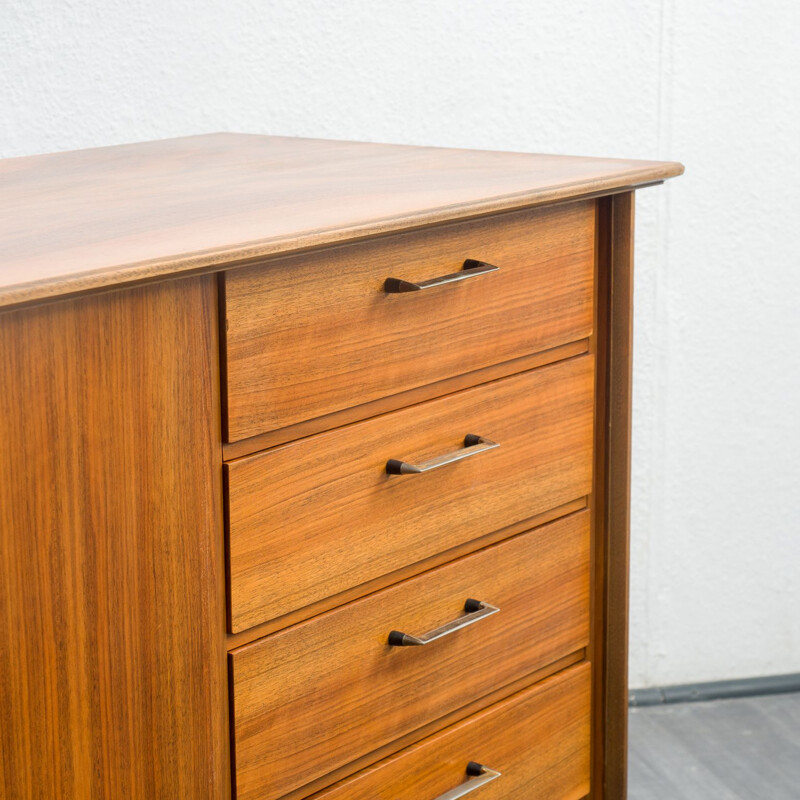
<point x="314" y="468"/>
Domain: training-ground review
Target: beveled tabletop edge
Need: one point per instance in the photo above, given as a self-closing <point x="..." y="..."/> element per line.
<point x="117" y="275"/>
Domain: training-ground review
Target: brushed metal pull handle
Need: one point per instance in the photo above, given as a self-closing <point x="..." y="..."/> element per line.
<point x="472" y="446"/>
<point x="479" y="774"/>
<point x="471" y="269"/>
<point x="476" y="610"/>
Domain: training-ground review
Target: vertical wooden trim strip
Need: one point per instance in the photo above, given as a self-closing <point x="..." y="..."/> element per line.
<point x="216" y="303"/>
<point x="599" y="346"/>
<point x="617" y="494"/>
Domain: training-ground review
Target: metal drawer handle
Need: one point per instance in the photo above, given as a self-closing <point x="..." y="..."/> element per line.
<point x="475" y="609"/>
<point x="479" y="776"/>
<point x="470" y="269"/>
<point x="472" y="446"/>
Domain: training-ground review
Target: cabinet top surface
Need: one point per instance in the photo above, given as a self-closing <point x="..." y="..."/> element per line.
<point x="92" y="219"/>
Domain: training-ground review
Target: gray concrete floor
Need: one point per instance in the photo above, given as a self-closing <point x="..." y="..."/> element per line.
<point x="744" y="749"/>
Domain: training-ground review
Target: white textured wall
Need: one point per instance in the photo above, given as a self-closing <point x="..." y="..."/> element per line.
<point x="716" y="497"/>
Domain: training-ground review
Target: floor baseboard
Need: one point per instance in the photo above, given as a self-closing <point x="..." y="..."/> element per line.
<point x="715" y="690"/>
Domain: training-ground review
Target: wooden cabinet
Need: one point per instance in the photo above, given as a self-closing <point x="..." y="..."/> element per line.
<point x="314" y="471"/>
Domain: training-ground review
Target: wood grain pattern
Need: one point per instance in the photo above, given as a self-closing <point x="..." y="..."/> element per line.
<point x="112" y="662"/>
<point x="612" y="524"/>
<point x="314" y="334"/>
<point x="473" y="706"/>
<point x="91" y="219"/>
<point x="313" y="518"/>
<point x="409" y="571"/>
<point x="598" y="347"/>
<point x="246" y="447"/>
<point x="308" y="696"/>
<point x="538" y="739"/>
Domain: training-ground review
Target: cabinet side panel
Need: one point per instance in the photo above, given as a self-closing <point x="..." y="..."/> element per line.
<point x="611" y="499"/>
<point x="112" y="664"/>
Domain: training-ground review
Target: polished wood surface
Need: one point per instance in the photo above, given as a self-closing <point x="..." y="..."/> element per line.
<point x="201" y="553"/>
<point x="319" y="695"/>
<point x="112" y="663"/>
<point x="612" y="496"/>
<point x="354" y="592"/>
<point x="246" y="447"/>
<point x="473" y="707"/>
<point x="315" y="517"/>
<point x="323" y="321"/>
<point x="538" y="739"/>
<point x="90" y="219"/>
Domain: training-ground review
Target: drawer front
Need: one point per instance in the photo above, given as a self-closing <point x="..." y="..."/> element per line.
<point x="319" y="695"/>
<point x="538" y="740"/>
<point x="315" y="334"/>
<point x="313" y="518"/>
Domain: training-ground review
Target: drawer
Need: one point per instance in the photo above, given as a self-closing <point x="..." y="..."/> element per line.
<point x="538" y="740"/>
<point x="321" y="694"/>
<point x="313" y="518"/>
<point x="313" y="334"/>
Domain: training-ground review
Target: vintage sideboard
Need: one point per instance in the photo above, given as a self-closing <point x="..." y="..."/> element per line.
<point x="314" y="471"/>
